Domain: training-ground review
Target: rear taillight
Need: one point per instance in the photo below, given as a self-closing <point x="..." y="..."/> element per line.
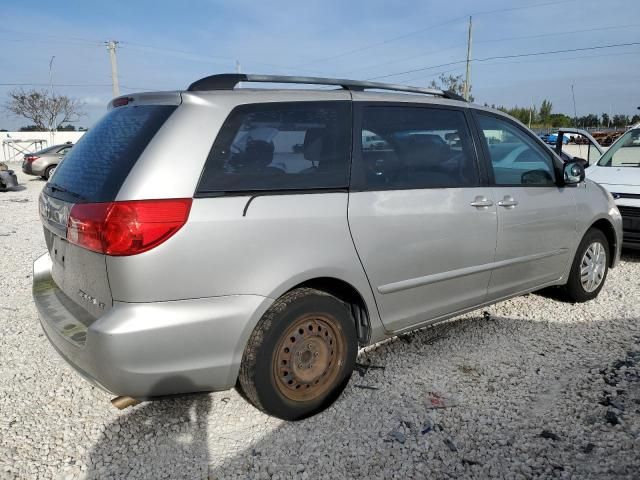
<point x="31" y="158"/>
<point x="126" y="228"/>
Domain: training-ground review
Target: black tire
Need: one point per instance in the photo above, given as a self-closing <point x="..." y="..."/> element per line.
<point x="575" y="290"/>
<point x="48" y="172"/>
<point x="321" y="332"/>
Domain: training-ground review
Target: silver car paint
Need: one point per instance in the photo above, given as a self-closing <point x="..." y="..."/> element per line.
<point x="418" y="258"/>
<point x="185" y="309"/>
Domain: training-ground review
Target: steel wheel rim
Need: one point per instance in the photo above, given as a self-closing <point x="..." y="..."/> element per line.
<point x="309" y="357"/>
<point x="593" y="267"/>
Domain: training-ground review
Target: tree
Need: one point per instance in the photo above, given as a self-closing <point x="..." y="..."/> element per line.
<point x="31" y="128"/>
<point x="451" y="83"/>
<point x="546" y="107"/>
<point x="635" y="119"/>
<point x="66" y="128"/>
<point x="46" y="111"/>
<point x="605" y="120"/>
<point x="558" y="120"/>
<point x="620" y="120"/>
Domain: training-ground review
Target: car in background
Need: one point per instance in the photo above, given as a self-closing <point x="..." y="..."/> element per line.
<point x="552" y="138"/>
<point x="586" y="144"/>
<point x="618" y="171"/>
<point x="43" y="162"/>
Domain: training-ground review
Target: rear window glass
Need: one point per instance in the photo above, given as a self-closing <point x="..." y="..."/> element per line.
<point x="95" y="168"/>
<point x="280" y="146"/>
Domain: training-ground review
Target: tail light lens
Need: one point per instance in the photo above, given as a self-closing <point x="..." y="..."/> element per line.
<point x="126" y="228"/>
<point x="31" y="158"/>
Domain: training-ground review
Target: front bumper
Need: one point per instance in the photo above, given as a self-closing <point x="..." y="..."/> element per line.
<point x="630" y="226"/>
<point x="145" y="350"/>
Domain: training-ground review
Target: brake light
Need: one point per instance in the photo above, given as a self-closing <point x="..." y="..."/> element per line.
<point x="31" y="158"/>
<point x="126" y="228"/>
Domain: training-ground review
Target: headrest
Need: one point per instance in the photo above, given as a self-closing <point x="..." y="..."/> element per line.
<point x="314" y="145"/>
<point x="258" y="152"/>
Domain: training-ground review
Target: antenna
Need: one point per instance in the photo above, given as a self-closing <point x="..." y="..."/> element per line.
<point x="575" y="112"/>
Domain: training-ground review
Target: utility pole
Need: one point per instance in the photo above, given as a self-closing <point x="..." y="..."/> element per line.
<point x="238" y="70"/>
<point x="467" y="80"/>
<point x="51" y="75"/>
<point x="575" y="111"/>
<point x="111" y="46"/>
<point x="530" y="111"/>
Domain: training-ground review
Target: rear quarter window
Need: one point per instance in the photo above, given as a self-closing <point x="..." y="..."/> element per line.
<point x="280" y="146"/>
<point x="96" y="167"/>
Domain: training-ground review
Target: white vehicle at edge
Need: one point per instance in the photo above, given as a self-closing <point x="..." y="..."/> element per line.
<point x="618" y="170"/>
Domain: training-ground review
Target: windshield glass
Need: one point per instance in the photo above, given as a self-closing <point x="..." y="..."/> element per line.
<point x="625" y="152"/>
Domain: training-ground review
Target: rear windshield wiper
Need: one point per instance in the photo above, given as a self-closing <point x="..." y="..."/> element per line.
<point x="55" y="187"/>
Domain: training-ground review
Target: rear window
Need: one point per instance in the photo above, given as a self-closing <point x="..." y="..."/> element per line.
<point x="95" y="168"/>
<point x="280" y="146"/>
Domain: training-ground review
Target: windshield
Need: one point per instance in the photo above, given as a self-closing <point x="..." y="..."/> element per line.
<point x="625" y="152"/>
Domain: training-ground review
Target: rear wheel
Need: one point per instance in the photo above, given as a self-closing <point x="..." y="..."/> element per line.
<point x="49" y="171"/>
<point x="300" y="355"/>
<point x="589" y="268"/>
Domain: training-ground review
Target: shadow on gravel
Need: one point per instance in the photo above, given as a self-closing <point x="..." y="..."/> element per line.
<point x="17" y="188"/>
<point x="536" y="411"/>
<point x="154" y="439"/>
<point x="629" y="255"/>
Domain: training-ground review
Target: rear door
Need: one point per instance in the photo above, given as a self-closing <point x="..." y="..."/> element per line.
<point x="536" y="218"/>
<point x="423" y="223"/>
<point x="93" y="172"/>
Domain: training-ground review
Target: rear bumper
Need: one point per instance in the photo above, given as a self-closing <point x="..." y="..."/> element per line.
<point x="150" y="349"/>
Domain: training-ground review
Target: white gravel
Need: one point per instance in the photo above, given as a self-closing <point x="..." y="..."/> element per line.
<point x="538" y="386"/>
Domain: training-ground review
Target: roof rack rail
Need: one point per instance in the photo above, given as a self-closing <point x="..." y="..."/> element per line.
<point x="227" y="81"/>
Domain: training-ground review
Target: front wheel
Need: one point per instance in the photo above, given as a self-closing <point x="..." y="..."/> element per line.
<point x="300" y="356"/>
<point x="589" y="268"/>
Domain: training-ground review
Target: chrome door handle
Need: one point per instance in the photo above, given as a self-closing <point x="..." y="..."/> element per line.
<point x="508" y="202"/>
<point x="481" y="201"/>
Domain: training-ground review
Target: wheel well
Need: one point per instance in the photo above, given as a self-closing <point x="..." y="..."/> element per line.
<point x="605" y="227"/>
<point x="349" y="295"/>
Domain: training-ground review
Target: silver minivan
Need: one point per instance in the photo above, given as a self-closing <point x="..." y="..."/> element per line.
<point x="219" y="236"/>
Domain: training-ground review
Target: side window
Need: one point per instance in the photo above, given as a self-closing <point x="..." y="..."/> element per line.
<point x="281" y="146"/>
<point x="416" y="147"/>
<point x="515" y="157"/>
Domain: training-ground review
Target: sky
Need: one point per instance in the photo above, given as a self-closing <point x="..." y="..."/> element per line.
<point x="168" y="45"/>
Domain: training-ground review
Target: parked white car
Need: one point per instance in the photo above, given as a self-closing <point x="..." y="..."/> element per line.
<point x="618" y="170"/>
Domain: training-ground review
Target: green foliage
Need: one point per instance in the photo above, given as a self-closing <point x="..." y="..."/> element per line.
<point x="546" y="108"/>
<point x="453" y="83"/>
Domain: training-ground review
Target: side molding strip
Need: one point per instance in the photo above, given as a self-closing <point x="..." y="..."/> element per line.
<point x="463" y="272"/>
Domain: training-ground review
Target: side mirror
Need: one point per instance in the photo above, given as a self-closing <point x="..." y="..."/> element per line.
<point x="583" y="163"/>
<point x="573" y="173"/>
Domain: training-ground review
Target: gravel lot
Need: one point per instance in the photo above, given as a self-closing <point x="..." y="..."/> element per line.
<point x="536" y="388"/>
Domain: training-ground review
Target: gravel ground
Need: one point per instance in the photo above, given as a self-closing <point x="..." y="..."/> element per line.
<point x="533" y="388"/>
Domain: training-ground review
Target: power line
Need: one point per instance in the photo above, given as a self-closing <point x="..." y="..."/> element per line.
<point x="557" y="34"/>
<point x="197" y="57"/>
<point x="433" y="52"/>
<point x="431" y="27"/>
<point x="551" y="52"/>
<point x="531" y="54"/>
